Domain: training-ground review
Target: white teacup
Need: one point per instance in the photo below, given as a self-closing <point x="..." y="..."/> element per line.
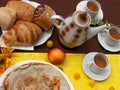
<point x="99" y="63"/>
<point x="113" y="36"/>
<point x="92" y="7"/>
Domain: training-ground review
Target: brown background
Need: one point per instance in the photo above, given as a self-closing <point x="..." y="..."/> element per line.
<point x="67" y="7"/>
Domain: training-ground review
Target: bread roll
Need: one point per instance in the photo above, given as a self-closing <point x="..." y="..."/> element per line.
<point x="23" y="33"/>
<point x="7" y="17"/>
<point x="24" y="10"/>
<point x="42" y="16"/>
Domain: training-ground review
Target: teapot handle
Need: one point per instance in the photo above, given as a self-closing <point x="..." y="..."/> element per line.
<point x="57" y="20"/>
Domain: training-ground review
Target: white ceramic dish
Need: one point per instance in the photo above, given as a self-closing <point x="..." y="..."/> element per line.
<point x="33" y="61"/>
<point x="98" y="77"/>
<point x="45" y="35"/>
<point x="101" y="40"/>
<point x="81" y="6"/>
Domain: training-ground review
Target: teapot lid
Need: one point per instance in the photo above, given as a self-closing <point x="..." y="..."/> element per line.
<point x="82" y="19"/>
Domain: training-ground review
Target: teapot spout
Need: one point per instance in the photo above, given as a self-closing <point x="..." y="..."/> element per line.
<point x="92" y="31"/>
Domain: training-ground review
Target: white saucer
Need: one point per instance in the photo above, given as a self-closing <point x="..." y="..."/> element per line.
<point x="81" y="6"/>
<point x="98" y="77"/>
<point x="101" y="40"/>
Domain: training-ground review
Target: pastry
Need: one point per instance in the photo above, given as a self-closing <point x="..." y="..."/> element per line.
<point x="35" y="76"/>
<point x="24" y="10"/>
<point x="23" y="33"/>
<point x="7" y="17"/>
<point x="42" y="16"/>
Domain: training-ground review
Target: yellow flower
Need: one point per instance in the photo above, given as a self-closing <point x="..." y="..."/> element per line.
<point x="5" y="58"/>
<point x="7" y="52"/>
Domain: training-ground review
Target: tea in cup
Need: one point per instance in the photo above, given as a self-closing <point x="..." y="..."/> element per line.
<point x="92" y="7"/>
<point x="113" y="36"/>
<point x="99" y="63"/>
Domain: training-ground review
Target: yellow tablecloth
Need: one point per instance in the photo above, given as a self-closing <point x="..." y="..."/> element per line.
<point x="73" y="64"/>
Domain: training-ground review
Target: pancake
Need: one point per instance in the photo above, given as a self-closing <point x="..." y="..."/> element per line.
<point x="35" y="76"/>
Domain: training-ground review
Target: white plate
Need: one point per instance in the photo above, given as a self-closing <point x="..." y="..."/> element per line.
<point x="45" y="36"/>
<point x="98" y="77"/>
<point x="81" y="6"/>
<point x="33" y="61"/>
<point x="42" y="39"/>
<point x="101" y="40"/>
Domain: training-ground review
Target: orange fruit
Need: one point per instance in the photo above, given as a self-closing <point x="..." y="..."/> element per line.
<point x="56" y="56"/>
<point x="92" y="83"/>
<point x="76" y="75"/>
<point x="111" y="88"/>
<point x="49" y="43"/>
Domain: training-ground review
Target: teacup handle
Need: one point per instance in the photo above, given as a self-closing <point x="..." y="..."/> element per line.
<point x="89" y="64"/>
<point x="54" y="19"/>
<point x="93" y="69"/>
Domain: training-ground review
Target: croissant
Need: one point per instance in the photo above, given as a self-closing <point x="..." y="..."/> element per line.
<point x="7" y="17"/>
<point x="24" y="10"/>
<point x="42" y="16"/>
<point x="23" y="33"/>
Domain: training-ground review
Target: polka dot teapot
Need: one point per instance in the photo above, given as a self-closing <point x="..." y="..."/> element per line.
<point x="75" y="30"/>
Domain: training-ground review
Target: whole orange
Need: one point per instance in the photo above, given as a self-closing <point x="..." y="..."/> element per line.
<point x="56" y="56"/>
<point x="49" y="43"/>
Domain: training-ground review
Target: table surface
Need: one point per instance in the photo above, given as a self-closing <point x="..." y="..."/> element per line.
<point x="67" y="7"/>
<point x="73" y="64"/>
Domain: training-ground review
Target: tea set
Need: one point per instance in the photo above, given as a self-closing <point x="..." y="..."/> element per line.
<point x="76" y="29"/>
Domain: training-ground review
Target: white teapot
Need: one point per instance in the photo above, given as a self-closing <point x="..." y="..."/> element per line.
<point x="75" y="30"/>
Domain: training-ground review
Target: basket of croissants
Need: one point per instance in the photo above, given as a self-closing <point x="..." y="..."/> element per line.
<point x="24" y="23"/>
